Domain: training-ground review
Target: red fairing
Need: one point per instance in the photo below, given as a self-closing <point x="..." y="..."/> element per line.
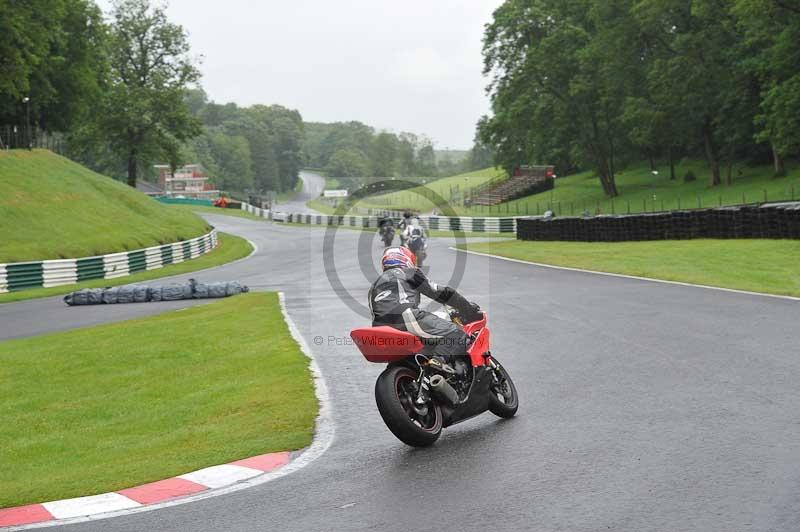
<point x="476" y="326"/>
<point x="385" y="344"/>
<point x="479" y="348"/>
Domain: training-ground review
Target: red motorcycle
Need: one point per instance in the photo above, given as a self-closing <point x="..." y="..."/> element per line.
<point x="418" y="396"/>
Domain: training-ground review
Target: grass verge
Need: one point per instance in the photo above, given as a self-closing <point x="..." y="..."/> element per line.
<point x="416" y="198"/>
<point x="52" y="208"/>
<point x="768" y="266"/>
<point x="289" y="194"/>
<point x="238" y="213"/>
<point x="104" y="408"/>
<point x="230" y="248"/>
<point x="639" y="191"/>
<point x="320" y="206"/>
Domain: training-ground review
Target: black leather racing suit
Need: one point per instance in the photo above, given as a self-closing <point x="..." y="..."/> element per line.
<point x="394" y="300"/>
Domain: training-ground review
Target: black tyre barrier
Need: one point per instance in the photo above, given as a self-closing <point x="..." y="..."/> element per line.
<point x="748" y="221"/>
<point x="136" y="293"/>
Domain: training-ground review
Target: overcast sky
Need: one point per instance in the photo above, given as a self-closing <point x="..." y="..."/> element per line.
<point x="408" y="65"/>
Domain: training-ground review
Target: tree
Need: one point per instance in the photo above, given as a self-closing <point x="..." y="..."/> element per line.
<point x="553" y="87"/>
<point x="693" y="73"/>
<point x="426" y="158"/>
<point x="143" y="114"/>
<point x="479" y="157"/>
<point x="231" y="157"/>
<point x="323" y="140"/>
<point x="263" y="155"/>
<point x="772" y="31"/>
<point x="286" y="128"/>
<point x="53" y="52"/>
<point x="24" y="43"/>
<point x="382" y="154"/>
<point x="348" y="162"/>
<point x="407" y="145"/>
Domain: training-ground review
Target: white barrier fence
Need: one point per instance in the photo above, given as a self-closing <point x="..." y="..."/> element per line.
<point x="47" y="273"/>
<point x="441" y="223"/>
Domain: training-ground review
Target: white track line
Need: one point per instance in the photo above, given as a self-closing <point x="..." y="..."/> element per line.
<point x="609" y="274"/>
<point x="323" y="437"/>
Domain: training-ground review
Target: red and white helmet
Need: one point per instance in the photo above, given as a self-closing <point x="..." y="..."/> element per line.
<point x="398" y="257"/>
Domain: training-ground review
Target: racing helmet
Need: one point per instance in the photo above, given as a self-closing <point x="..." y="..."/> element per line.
<point x="398" y="257"/>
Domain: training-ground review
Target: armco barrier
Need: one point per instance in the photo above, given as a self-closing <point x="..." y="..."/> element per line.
<point x="257" y="211"/>
<point x="46" y="273"/>
<point x="444" y="223"/>
<point x="749" y="221"/>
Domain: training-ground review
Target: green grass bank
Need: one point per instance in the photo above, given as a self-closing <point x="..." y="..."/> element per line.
<point x="768" y="266"/>
<point x="113" y="406"/>
<point x="639" y="191"/>
<point x="52" y="208"/>
<point x="449" y="188"/>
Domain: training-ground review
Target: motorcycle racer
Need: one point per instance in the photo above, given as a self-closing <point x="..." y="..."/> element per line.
<point x="394" y="300"/>
<point x="386" y="230"/>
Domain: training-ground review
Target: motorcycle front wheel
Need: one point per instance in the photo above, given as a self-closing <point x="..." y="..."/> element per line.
<point x="395" y="392"/>
<point x="503" y="398"/>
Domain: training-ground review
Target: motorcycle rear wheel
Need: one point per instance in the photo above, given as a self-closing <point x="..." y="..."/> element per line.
<point x="503" y="398"/>
<point x="395" y="396"/>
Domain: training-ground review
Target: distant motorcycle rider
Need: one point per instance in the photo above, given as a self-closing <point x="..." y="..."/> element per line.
<point x="405" y="221"/>
<point x="386" y="230"/>
<point x="414" y="228"/>
<point x="404" y="224"/>
<point x="394" y="300"/>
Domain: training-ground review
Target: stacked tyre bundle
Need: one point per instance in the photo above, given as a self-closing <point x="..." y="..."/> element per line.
<point x="790" y="221"/>
<point x="748" y="221"/>
<point x="143" y="293"/>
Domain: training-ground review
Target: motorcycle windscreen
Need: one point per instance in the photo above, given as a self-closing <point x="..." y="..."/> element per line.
<point x="385" y="344"/>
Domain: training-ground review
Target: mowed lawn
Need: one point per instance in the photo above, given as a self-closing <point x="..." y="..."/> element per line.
<point x="420" y="198"/>
<point x="228" y="249"/>
<point x="53" y="208"/>
<point x="642" y="191"/>
<point x="108" y="407"/>
<point x="769" y="266"/>
<point x="639" y="191"/>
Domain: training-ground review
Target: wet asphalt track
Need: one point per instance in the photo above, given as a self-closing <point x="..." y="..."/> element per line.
<point x="313" y="185"/>
<point x="644" y="406"/>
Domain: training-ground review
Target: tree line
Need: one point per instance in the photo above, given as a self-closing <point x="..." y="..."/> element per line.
<point x="246" y="148"/>
<point x="601" y="83"/>
<point x="124" y="93"/>
<point x="354" y="149"/>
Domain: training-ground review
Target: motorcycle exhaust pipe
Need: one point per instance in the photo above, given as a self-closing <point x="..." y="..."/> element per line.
<point x="442" y="389"/>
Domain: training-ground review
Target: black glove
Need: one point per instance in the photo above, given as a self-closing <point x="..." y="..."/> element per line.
<point x="471" y="313"/>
